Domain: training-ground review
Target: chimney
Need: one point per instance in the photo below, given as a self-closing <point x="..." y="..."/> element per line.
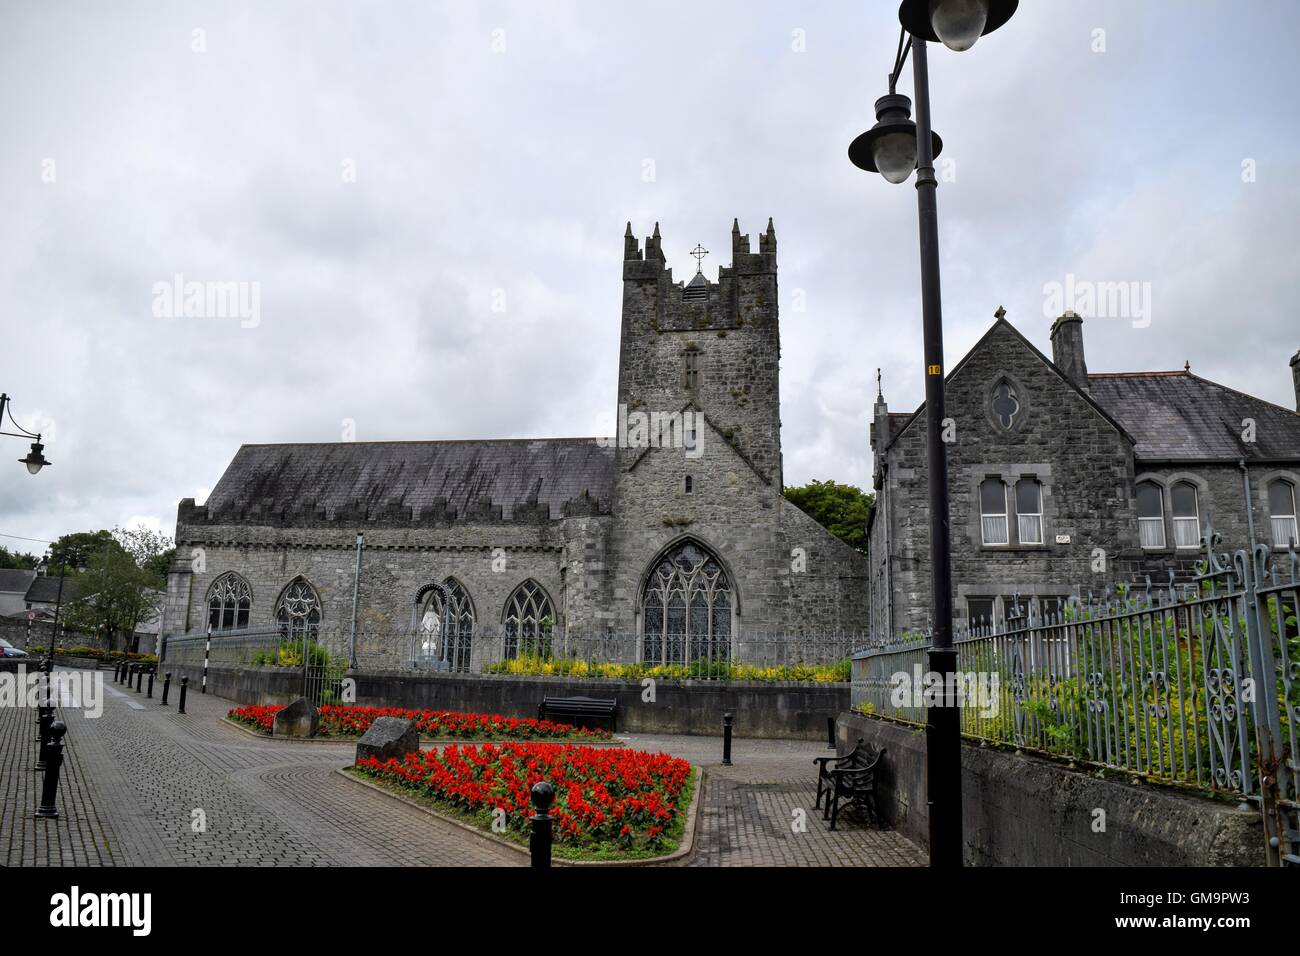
<point x="1067" y="349"/>
<point x="1295" y="377"/>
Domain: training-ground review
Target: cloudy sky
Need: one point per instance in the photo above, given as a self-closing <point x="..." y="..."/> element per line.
<point x="430" y="199"/>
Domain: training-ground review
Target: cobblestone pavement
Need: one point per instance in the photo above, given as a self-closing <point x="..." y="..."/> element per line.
<point x="759" y="811"/>
<point x="142" y="784"/>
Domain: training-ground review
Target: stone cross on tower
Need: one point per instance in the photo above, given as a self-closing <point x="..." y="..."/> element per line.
<point x="699" y="252"/>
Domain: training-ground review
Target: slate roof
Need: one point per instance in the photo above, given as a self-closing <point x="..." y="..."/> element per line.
<point x="419" y="475"/>
<point x="44" y="589"/>
<point x="15" y="580"/>
<point x="1178" y="416"/>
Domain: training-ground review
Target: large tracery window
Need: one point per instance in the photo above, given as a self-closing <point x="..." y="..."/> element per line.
<point x="298" y="611"/>
<point x="447" y="624"/>
<point x="229" y="601"/>
<point x="528" y="621"/>
<point x="686" y="608"/>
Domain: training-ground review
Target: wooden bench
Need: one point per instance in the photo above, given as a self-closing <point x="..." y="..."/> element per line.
<point x="851" y="778"/>
<point x="576" y="710"/>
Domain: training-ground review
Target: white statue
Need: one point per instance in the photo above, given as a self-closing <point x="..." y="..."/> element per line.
<point x="430" y="631"/>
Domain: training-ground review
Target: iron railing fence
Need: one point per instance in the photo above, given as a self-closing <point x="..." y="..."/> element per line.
<point x="322" y="668"/>
<point x="1197" y="684"/>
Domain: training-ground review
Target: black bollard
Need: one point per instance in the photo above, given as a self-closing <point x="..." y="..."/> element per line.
<point x="50" y="790"/>
<point x="167" y="686"/>
<point x="539" y="840"/>
<point x="185" y="683"/>
<point x="726" y="740"/>
<point x="830" y="733"/>
<point x="139" y="678"/>
<point x="149" y="692"/>
<point x="46" y="720"/>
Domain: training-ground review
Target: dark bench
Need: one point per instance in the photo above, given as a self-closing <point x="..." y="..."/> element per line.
<point x="851" y="778"/>
<point x="578" y="710"/>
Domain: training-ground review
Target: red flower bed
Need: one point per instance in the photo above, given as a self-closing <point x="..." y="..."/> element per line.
<point x="352" y="721"/>
<point x="605" y="798"/>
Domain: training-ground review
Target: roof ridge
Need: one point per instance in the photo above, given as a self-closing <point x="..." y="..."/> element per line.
<point x="1138" y="374"/>
<point x="413" y="441"/>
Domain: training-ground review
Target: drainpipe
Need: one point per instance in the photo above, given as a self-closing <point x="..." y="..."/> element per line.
<point x="356" y="588"/>
<point x="1250" y="510"/>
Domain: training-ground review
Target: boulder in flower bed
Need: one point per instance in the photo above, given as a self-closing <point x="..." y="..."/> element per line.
<point x="299" y="719"/>
<point x="389" y="737"/>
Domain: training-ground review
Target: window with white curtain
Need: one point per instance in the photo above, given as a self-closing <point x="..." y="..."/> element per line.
<point x="1029" y="511"/>
<point x="1281" y="510"/>
<point x="1151" y="515"/>
<point x="993" y="511"/>
<point x="1187" y="524"/>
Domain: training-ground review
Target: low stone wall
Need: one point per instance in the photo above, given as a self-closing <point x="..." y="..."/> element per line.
<point x="1025" y="810"/>
<point x="690" y="707"/>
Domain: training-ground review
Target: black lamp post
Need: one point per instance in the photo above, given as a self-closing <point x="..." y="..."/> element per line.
<point x="35" y="459"/>
<point x="893" y="147"/>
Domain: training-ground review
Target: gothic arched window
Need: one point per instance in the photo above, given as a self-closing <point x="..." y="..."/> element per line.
<point x="528" y="621"/>
<point x="229" y="601"/>
<point x="686" y="608"/>
<point x="453" y="618"/>
<point x="1005" y="404"/>
<point x="297" y="612"/>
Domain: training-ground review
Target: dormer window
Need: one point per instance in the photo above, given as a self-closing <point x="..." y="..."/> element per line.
<point x="1005" y="404"/>
<point x="691" y="359"/>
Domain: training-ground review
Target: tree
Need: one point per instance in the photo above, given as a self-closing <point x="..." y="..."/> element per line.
<point x="17" y="559"/>
<point x="122" y="584"/>
<point x="840" y="509"/>
<point x="75" y="551"/>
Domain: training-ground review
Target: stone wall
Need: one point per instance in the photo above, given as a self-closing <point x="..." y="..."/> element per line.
<point x="1022" y="810"/>
<point x="691" y="707"/>
<point x="396" y="563"/>
<point x="16" y="633"/>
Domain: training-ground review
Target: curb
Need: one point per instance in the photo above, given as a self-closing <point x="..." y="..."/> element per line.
<point x="676" y="858"/>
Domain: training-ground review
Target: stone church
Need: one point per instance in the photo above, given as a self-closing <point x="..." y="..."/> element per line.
<point x="1065" y="481"/>
<point x="669" y="542"/>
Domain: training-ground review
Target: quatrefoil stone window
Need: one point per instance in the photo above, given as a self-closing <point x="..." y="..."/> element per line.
<point x="1005" y="404"/>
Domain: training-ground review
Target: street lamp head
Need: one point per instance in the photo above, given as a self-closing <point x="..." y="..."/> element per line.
<point x="957" y="24"/>
<point x="889" y="147"/>
<point x="35" y="460"/>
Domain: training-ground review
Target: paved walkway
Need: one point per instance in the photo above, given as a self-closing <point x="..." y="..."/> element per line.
<point x="142" y="784"/>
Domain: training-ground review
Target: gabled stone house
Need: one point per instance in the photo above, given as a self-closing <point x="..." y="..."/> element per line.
<point x="1065" y="482"/>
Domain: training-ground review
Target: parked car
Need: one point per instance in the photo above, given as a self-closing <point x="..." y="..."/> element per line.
<point x="8" y="650"/>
